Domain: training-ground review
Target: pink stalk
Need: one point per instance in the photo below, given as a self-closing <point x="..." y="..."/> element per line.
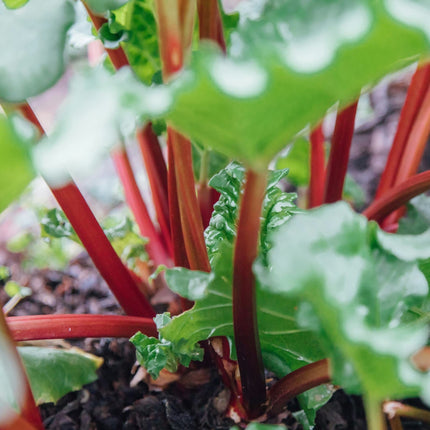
<point x="101" y="252"/>
<point x="316" y="183"/>
<point x="416" y="93"/>
<point x="78" y="326"/>
<point x="339" y="154"/>
<point x="137" y="205"/>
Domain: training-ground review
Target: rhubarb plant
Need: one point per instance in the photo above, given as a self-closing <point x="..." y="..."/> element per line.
<point x="314" y="297"/>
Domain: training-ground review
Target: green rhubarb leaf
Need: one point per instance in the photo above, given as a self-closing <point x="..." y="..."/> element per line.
<point x="417" y="219"/>
<point x="285" y="346"/>
<point x="16" y="169"/>
<point x="137" y="20"/>
<point x="158" y="354"/>
<point x="288" y="64"/>
<point x="55" y="372"/>
<point x="33" y="58"/>
<point x="102" y="6"/>
<point x="356" y="285"/>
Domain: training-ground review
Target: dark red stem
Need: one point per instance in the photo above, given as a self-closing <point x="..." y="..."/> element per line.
<point x="39" y="327"/>
<point x="398" y="196"/>
<point x="156" y="170"/>
<point x="101" y="252"/>
<point x="339" y="154"/>
<point x="244" y="297"/>
<point x="210" y="22"/>
<point x="416" y="93"/>
<point x="317" y="179"/>
<point x="297" y="382"/>
<point x="137" y="205"/>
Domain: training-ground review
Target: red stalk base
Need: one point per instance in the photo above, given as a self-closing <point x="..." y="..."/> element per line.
<point x="244" y="297"/>
<point x="78" y="326"/>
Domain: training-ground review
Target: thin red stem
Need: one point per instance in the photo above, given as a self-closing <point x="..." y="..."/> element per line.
<point x="39" y="327"/>
<point x="316" y="183"/>
<point x="244" y="297"/>
<point x="156" y="169"/>
<point x="339" y="154"/>
<point x="101" y="252"/>
<point x="297" y="382"/>
<point x="137" y="205"/>
<point x="415" y="96"/>
<point x="397" y="196"/>
<point x="191" y="220"/>
<point x="210" y="22"/>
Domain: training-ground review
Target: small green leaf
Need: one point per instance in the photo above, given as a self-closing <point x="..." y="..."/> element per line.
<point x="157" y="354"/>
<point x="55" y="372"/>
<point x="54" y="223"/>
<point x="102" y="6"/>
<point x="4" y="273"/>
<point x="12" y="289"/>
<point x="34" y="58"/>
<point x="356" y="285"/>
<point x="417" y="219"/>
<point x="16" y="169"/>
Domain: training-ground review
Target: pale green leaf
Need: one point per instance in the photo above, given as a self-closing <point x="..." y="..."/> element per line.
<point x="33" y="58"/>
<point x="14" y="4"/>
<point x="55" y="372"/>
<point x="355" y="292"/>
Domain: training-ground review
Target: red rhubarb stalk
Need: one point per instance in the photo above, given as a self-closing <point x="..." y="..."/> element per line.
<point x="244" y="298"/>
<point x="101" y="252"/>
<point x="317" y="168"/>
<point x="297" y="382"/>
<point x="416" y="93"/>
<point x="339" y="154"/>
<point x="397" y="196"/>
<point x="156" y="170"/>
<point x="210" y="22"/>
<point x="78" y="326"/>
<point x="15" y="421"/>
<point x="137" y="205"/>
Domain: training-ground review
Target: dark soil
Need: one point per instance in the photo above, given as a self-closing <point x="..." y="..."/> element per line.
<point x="198" y="400"/>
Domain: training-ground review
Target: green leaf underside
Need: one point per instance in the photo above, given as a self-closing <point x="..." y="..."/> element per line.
<point x="15" y="165"/>
<point x="220" y="101"/>
<point x="285" y="346"/>
<point x="34" y="57"/>
<point x="55" y="372"/>
<point x="356" y="285"/>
